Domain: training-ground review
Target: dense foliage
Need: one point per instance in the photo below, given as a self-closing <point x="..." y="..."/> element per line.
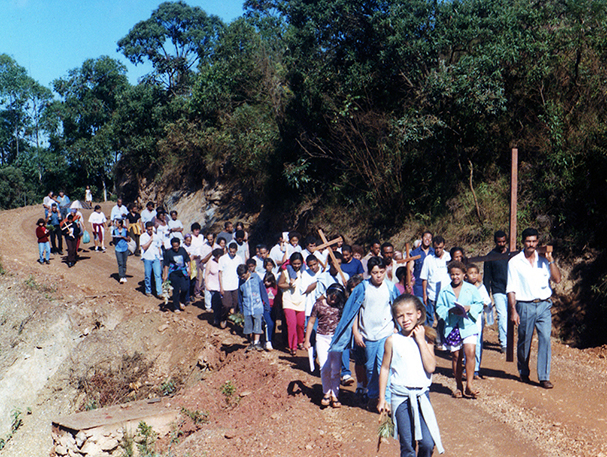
<point x="384" y="107"/>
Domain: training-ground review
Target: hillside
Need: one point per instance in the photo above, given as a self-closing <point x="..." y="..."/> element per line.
<point x="62" y="326"/>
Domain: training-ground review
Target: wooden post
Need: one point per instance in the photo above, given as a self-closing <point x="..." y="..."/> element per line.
<point x="513" y="207"/>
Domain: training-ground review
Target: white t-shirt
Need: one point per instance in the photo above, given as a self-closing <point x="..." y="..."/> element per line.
<point x="434" y="270"/>
<point x="375" y="321"/>
<point x="198" y="242"/>
<point x="147" y="216"/>
<point x="307" y="279"/>
<point x="153" y="252"/>
<point x="118" y="212"/>
<point x="277" y="254"/>
<point x="97" y="218"/>
<point x="173" y="225"/>
<point x="228" y="266"/>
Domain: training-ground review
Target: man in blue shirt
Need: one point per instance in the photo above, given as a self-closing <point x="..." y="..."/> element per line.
<point x="64" y="204"/>
<point x="350" y="265"/>
<point x="424" y="249"/>
<point x="54" y="219"/>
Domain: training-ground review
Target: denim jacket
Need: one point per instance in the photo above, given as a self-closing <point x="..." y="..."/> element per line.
<point x="342" y="339"/>
<point x="252" y="296"/>
<point x="468" y="296"/>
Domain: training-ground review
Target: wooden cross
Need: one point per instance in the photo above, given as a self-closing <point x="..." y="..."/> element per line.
<point x="408" y="259"/>
<point x="325" y="242"/>
<point x="330" y="243"/>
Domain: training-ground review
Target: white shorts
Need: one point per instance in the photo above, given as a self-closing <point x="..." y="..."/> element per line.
<point x="472" y="339"/>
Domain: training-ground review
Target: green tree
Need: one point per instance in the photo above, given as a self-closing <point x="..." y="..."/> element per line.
<point x="89" y="98"/>
<point x="174" y="39"/>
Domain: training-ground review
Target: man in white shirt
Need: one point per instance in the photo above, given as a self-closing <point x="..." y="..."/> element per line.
<point x="118" y="212"/>
<point x="148" y="214"/>
<point x="529" y="292"/>
<point x="151" y="245"/>
<point x="229" y="281"/>
<point x="434" y="275"/>
<point x="47" y="203"/>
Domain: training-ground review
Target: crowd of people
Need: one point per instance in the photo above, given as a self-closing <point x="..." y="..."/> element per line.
<point x="385" y="310"/>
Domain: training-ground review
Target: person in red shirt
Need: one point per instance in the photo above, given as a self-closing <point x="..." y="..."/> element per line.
<point x="44" y="245"/>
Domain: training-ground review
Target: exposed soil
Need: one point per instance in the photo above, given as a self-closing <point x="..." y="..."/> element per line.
<point x="58" y="325"/>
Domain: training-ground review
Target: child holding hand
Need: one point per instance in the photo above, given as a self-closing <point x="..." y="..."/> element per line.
<point x="409" y="362"/>
<point x="327" y="310"/>
<point x="459" y="306"/>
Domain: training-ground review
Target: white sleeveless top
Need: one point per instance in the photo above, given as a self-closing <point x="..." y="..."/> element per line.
<point x="407" y="368"/>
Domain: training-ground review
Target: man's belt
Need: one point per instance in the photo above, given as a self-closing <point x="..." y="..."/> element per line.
<point x="537" y="300"/>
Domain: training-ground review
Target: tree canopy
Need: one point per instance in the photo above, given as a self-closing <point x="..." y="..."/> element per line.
<point x="175" y="39"/>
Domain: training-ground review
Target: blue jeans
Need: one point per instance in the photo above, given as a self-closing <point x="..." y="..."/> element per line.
<point x="42" y="247"/>
<point x="406" y="434"/>
<point x="267" y="317"/>
<point x="208" y="299"/>
<point x="501" y="306"/>
<point x="430" y="307"/>
<point x="374" y="351"/>
<point x="154" y="266"/>
<point x="121" y="259"/>
<point x="345" y="363"/>
<point x="538" y="316"/>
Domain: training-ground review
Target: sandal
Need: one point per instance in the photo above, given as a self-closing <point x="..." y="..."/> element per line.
<point x="326" y="401"/>
<point x="471" y="393"/>
<point x="335" y="403"/>
<point x="457" y="393"/>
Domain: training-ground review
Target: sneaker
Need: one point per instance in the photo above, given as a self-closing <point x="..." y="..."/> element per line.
<point x="124" y="279"/>
<point x="359" y="393"/>
<point x="347" y="380"/>
<point x="181" y="306"/>
<point x="40" y="261"/>
<point x="47" y="262"/>
<point x="269" y="346"/>
<point x="251" y="347"/>
<point x="103" y="249"/>
<point x="176" y="311"/>
<point x="258" y="346"/>
<point x="148" y="294"/>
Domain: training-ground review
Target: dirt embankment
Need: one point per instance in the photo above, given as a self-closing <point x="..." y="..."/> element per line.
<point x="61" y="326"/>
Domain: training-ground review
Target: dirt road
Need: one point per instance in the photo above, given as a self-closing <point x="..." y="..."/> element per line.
<point x="278" y="414"/>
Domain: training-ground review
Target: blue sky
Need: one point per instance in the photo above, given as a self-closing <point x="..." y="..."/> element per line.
<point x="50" y="37"/>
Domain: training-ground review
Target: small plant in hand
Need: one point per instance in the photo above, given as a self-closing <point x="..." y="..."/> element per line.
<point x="167" y="291"/>
<point x="385" y="429"/>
